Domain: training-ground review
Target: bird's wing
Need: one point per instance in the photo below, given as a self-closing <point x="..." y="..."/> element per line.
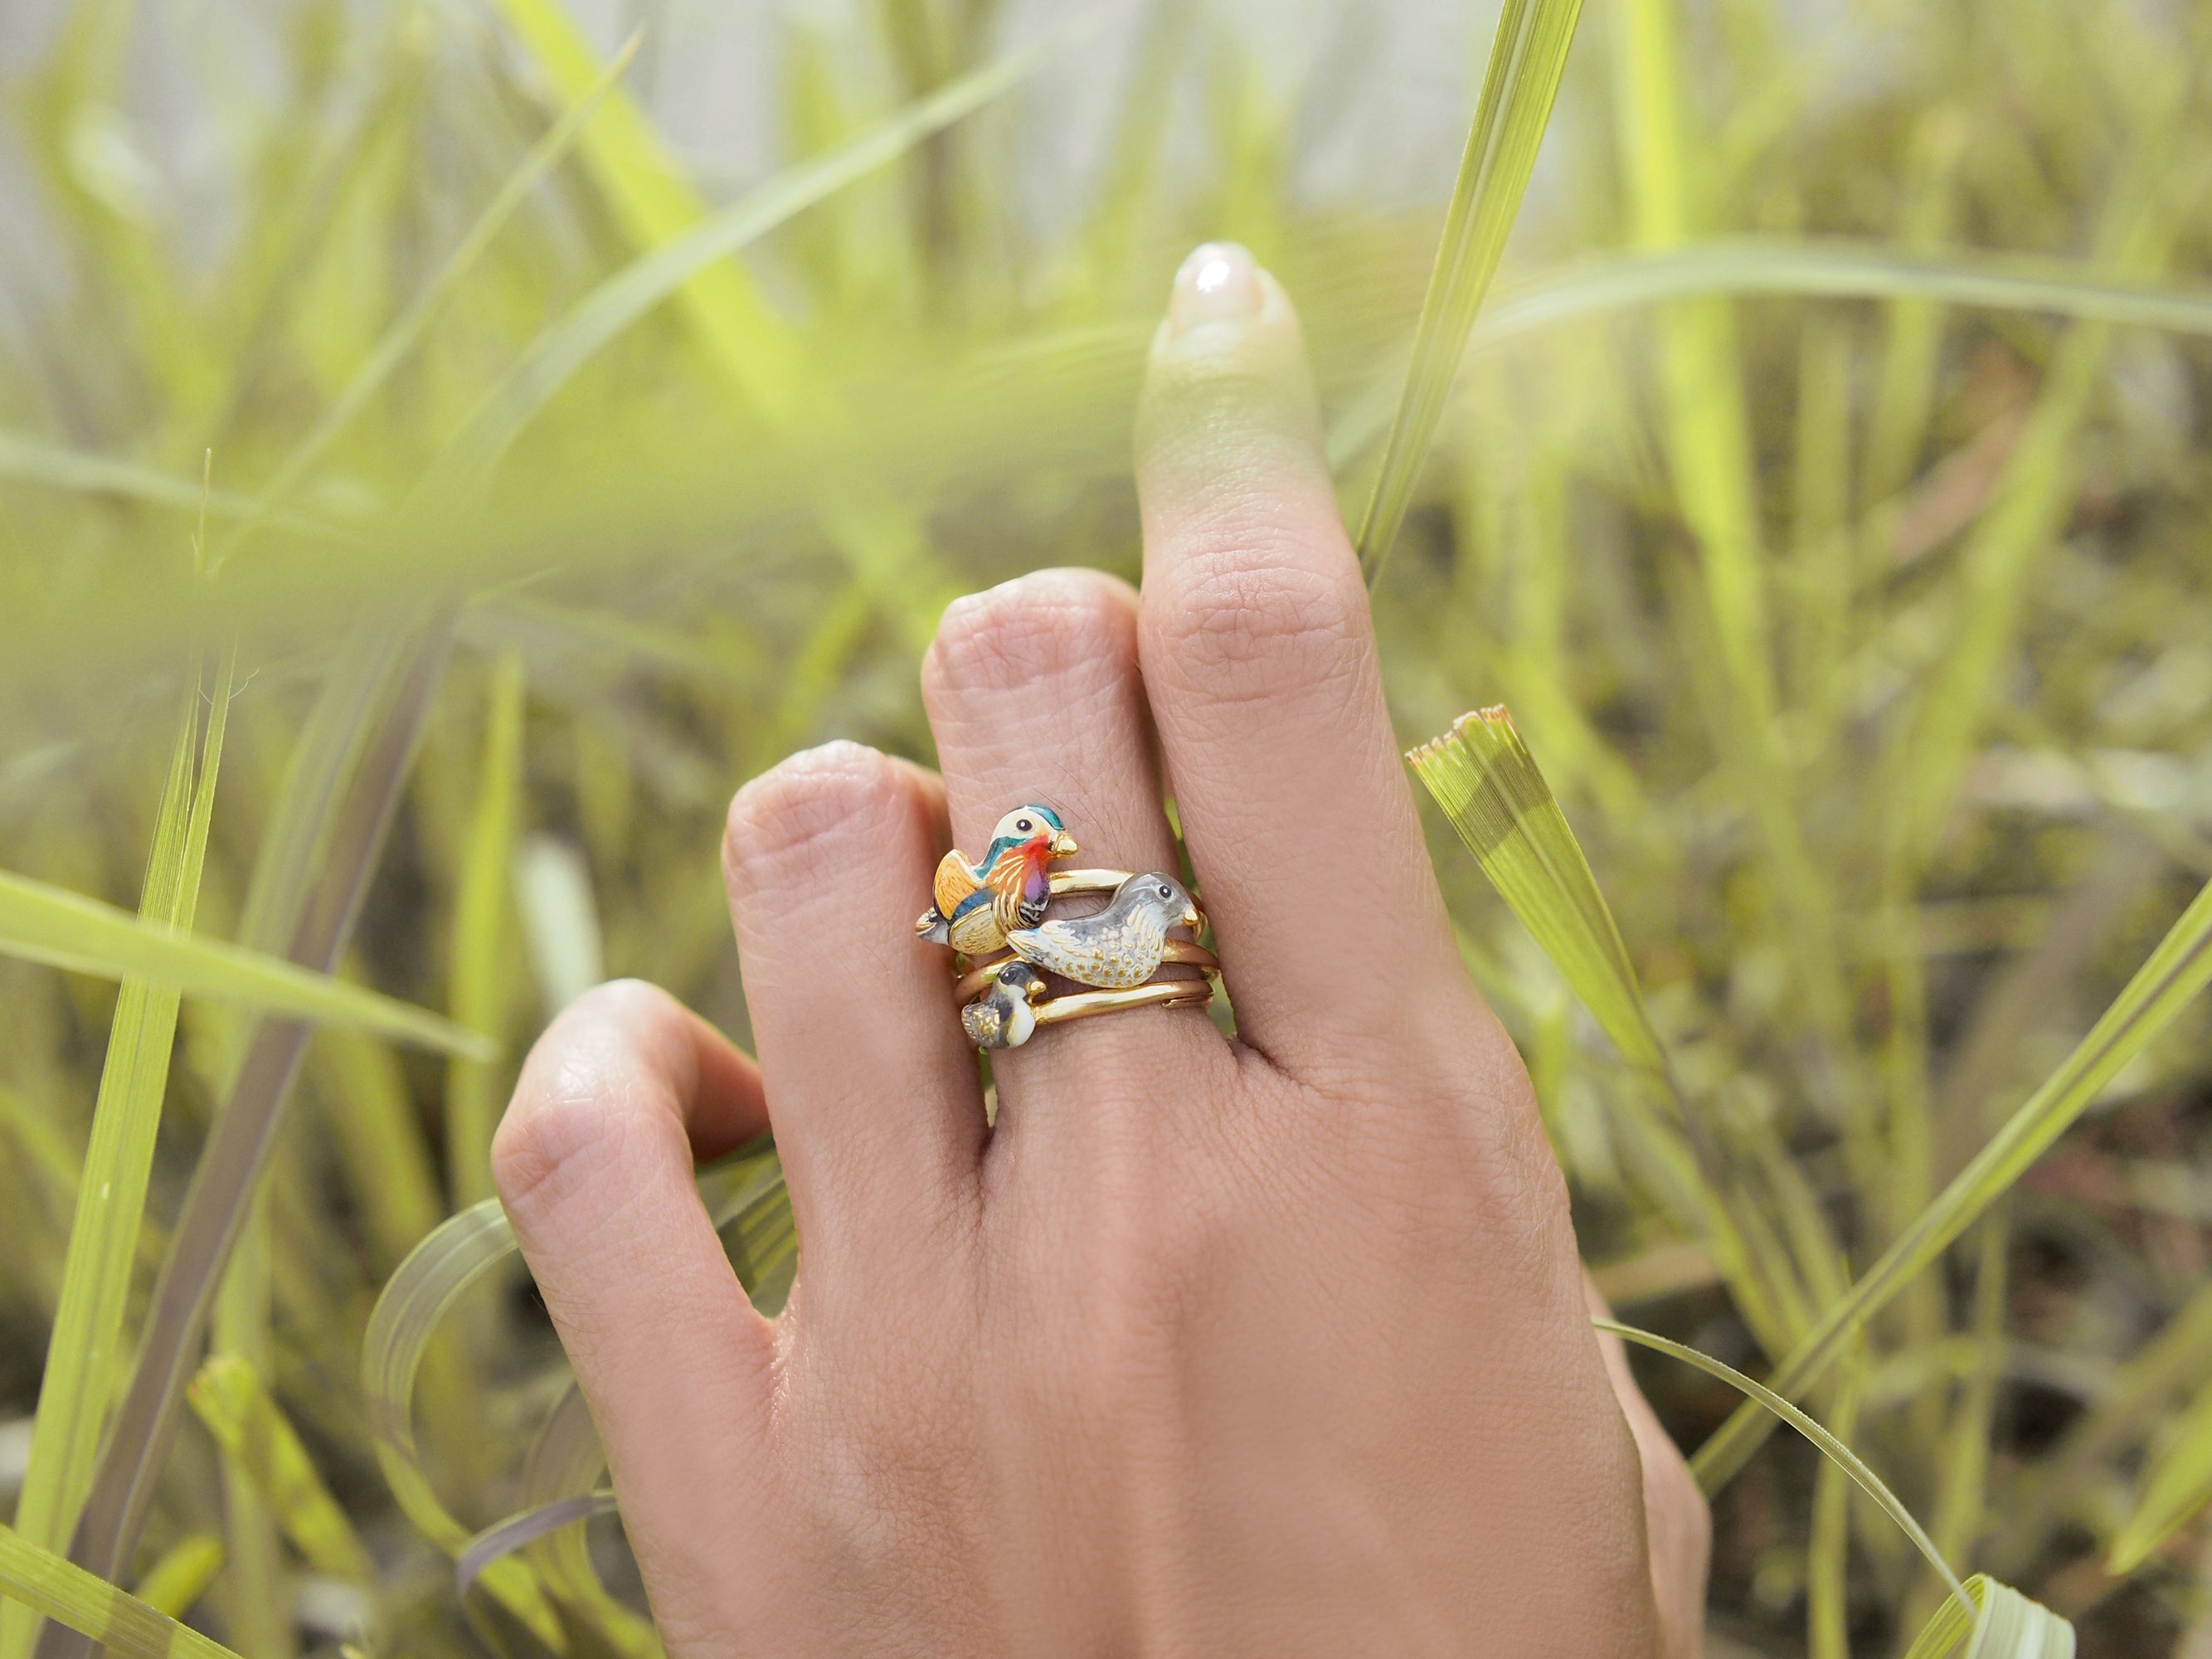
<point x="955" y="881"/>
<point x="1049" y="944"/>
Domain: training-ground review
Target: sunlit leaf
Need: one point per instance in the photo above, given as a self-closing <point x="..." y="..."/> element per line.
<point x="1526" y="59"/>
<point x="48" y="1584"/>
<point x="1489" y="786"/>
<point x="83" y="1363"/>
<point x="40" y="922"/>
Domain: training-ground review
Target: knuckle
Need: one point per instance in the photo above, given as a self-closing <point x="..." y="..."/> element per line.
<point x="1246" y="616"/>
<point x="1033" y="627"/>
<point x="788" y="820"/>
<point x="540" y="1140"/>
<point x="575" y="1108"/>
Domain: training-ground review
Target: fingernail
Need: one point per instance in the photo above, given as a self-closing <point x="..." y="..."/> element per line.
<point x="1218" y="283"/>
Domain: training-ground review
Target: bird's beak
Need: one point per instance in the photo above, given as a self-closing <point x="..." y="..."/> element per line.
<point x="1063" y="846"/>
<point x="1192" y="919"/>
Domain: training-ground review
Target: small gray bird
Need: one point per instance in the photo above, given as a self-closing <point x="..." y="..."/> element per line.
<point x="1120" y="945"/>
<point x="1000" y="1016"/>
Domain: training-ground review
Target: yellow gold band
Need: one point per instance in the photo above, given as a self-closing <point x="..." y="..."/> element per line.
<point x="1159" y="994"/>
<point x="973" y="982"/>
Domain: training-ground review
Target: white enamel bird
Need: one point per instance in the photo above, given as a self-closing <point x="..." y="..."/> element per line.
<point x="1118" y="946"/>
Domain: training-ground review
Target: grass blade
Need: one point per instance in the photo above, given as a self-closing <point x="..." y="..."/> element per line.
<point x="647" y="190"/>
<point x="1962" y="1476"/>
<point x="217" y="1204"/>
<point x="2166" y="983"/>
<point x="1527" y="57"/>
<point x="1760" y="1397"/>
<point x="407" y="330"/>
<point x="81" y="1366"/>
<point x="257" y="1615"/>
<point x="1706" y="437"/>
<point x="72" y="1597"/>
<point x="31" y="461"/>
<point x="1827" y="1553"/>
<point x="1910" y="357"/>
<point x="483" y="928"/>
<point x="229" y="1398"/>
<point x="1489" y="786"/>
<point x="2035" y="496"/>
<point x="2178" y="1483"/>
<point x="182" y="1575"/>
<point x="566" y="1464"/>
<point x="1810" y="267"/>
<point x="384" y="1153"/>
<point x="2138" y="1393"/>
<point x="746" y="1190"/>
<point x="1995" y="1620"/>
<point x="435" y="1275"/>
<point x="2004" y="1625"/>
<point x="1834" y="268"/>
<point x="43" y="923"/>
<point x="603" y="314"/>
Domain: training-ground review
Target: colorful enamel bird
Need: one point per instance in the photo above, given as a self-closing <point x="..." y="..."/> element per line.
<point x="977" y="904"/>
<point x="1001" y="1018"/>
<point x="1120" y="945"/>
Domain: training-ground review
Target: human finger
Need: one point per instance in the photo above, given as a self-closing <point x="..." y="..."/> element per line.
<point x="593" y="1162"/>
<point x="1678" y="1525"/>
<point x="874" y="1100"/>
<point x="1033" y="696"/>
<point x="1259" y="657"/>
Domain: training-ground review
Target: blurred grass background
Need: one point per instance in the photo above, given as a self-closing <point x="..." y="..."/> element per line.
<point x="1825" y="491"/>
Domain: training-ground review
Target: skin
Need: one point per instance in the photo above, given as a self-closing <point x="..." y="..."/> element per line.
<point x="1274" y="1345"/>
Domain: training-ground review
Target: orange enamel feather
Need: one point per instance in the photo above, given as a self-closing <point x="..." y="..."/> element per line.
<point x="1007" y="880"/>
<point x="955" y="881"/>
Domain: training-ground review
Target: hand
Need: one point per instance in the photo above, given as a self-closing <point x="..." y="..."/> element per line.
<point x="1275" y="1345"/>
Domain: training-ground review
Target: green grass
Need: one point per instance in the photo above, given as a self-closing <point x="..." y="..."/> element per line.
<point x="1822" y="483"/>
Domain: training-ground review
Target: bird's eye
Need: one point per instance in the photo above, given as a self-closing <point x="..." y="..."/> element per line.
<point x="1024" y="825"/>
<point x="1165" y="893"/>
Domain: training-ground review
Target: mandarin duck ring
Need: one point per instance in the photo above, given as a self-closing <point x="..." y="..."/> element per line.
<point x="1002" y="903"/>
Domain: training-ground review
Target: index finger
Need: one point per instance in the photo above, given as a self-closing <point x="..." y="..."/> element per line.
<point x="594" y="1165"/>
<point x="1259" y="657"/>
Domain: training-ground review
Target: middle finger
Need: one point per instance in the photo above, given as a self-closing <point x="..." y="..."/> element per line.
<point x="1033" y="694"/>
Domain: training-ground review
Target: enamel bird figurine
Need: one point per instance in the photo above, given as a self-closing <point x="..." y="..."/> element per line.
<point x="1001" y="1017"/>
<point x="978" y="904"/>
<point x="1118" y="946"/>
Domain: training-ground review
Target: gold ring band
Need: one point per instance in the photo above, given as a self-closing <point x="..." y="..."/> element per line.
<point x="1159" y="994"/>
<point x="976" y="979"/>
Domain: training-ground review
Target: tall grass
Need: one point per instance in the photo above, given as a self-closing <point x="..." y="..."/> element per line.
<point x="431" y="479"/>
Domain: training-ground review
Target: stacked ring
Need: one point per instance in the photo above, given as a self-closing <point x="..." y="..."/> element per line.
<point x="1000" y="903"/>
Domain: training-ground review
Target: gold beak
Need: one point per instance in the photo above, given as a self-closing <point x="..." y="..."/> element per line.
<point x="1063" y="846"/>
<point x="1192" y="919"/>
